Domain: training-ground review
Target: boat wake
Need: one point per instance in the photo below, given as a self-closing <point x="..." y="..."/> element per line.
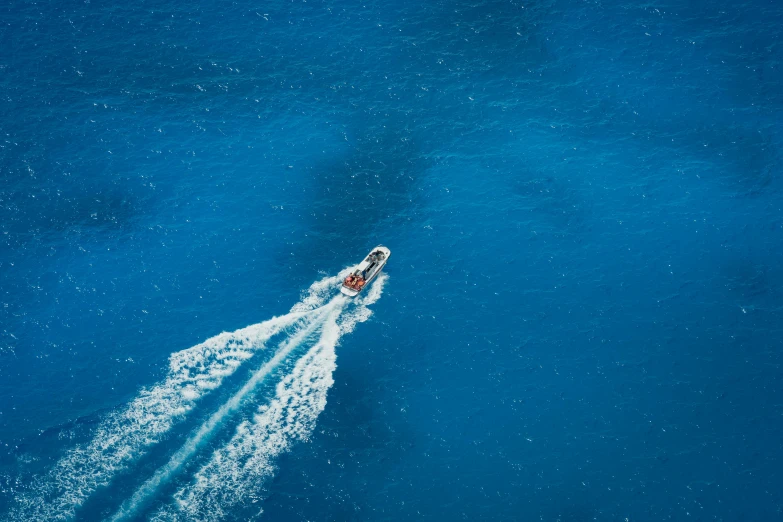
<point x="237" y="472"/>
<point x="128" y="434"/>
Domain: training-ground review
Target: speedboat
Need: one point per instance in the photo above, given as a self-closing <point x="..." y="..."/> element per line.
<point x="366" y="271"/>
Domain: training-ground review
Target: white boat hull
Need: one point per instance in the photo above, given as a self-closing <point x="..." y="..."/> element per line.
<point x="350" y="292"/>
<point x="361" y="276"/>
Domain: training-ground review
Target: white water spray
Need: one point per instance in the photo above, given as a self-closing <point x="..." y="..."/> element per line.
<point x="207" y="429"/>
<point x="127" y="434"/>
<point x="236" y="472"/>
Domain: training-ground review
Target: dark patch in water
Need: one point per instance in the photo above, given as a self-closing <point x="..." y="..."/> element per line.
<point x="747" y="280"/>
<point x="755" y="161"/>
<point x="352" y="195"/>
<point x="47" y="213"/>
<point x="550" y="201"/>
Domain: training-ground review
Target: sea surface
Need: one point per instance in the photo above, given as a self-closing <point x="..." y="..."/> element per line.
<point x="581" y="318"/>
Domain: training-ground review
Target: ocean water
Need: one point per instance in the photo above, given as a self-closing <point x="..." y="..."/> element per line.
<point x="582" y="316"/>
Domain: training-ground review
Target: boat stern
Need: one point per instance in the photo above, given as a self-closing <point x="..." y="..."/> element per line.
<point x="350" y="292"/>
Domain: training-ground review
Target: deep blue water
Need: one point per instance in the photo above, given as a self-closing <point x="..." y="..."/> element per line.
<point x="583" y="316"/>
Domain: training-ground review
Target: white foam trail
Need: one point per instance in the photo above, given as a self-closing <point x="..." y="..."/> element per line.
<point x="207" y="429"/>
<point x="361" y="313"/>
<point x="236" y="472"/>
<point x="123" y="436"/>
<point x="314" y="296"/>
